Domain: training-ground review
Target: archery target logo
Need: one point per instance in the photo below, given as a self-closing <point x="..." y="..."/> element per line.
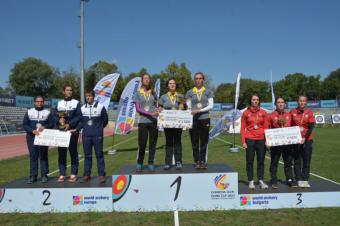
<point x="120" y="184"/>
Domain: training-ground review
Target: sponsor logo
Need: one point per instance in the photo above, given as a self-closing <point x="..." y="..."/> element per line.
<point x="257" y="200"/>
<point x="220" y="182"/>
<point x="80" y="200"/>
<point x="120" y="184"/>
<point x="245" y="200"/>
<point x="223" y="188"/>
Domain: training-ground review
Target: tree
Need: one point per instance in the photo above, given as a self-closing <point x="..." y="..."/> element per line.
<point x="69" y="77"/>
<point x="31" y="77"/>
<point x="225" y="93"/>
<point x="99" y="70"/>
<point x="297" y="84"/>
<point x="331" y="85"/>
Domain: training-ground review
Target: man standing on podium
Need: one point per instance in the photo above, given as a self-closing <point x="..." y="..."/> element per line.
<point x="68" y="115"/>
<point x="93" y="121"/>
<point x="35" y="121"/>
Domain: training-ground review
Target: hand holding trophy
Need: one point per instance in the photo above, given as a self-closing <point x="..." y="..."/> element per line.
<point x="62" y="121"/>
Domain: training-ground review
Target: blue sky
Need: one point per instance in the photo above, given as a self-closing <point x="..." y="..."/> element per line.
<point x="218" y="37"/>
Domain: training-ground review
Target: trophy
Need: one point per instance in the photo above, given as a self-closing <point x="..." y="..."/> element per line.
<point x="181" y="101"/>
<point x="282" y="122"/>
<point x="62" y="120"/>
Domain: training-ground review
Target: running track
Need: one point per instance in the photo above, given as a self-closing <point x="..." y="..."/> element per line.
<point x="12" y="146"/>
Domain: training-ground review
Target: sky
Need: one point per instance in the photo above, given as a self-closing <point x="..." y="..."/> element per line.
<point x="218" y="37"/>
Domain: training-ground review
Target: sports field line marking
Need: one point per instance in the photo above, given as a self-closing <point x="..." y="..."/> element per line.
<point x="124" y="141"/>
<point x="315" y="175"/>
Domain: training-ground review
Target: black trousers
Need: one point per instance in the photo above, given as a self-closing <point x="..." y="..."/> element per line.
<point x="287" y="154"/>
<point x="302" y="153"/>
<point x="173" y="145"/>
<point x="145" y="131"/>
<point x="255" y="146"/>
<point x="62" y="156"/>
<point x="199" y="135"/>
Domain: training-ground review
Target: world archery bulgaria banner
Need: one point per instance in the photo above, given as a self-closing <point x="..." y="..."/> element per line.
<point x="126" y="108"/>
<point x="104" y="89"/>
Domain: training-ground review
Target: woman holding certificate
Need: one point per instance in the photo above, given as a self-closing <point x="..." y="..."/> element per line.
<point x="304" y="118"/>
<point x="147" y="126"/>
<point x="200" y="100"/>
<point x="253" y="123"/>
<point x="172" y="101"/>
<point x="279" y="119"/>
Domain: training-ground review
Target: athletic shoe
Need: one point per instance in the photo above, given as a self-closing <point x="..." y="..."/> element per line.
<point x="139" y="168"/>
<point x="251" y="185"/>
<point x="290" y="183"/>
<point x="179" y="166"/>
<point x="151" y="167"/>
<point x="306" y="183"/>
<point x="61" y="179"/>
<point x="86" y="179"/>
<point x="166" y="167"/>
<point x="102" y="179"/>
<point x="44" y="179"/>
<point x="275" y="186"/>
<point x="72" y="179"/>
<point x="301" y="184"/>
<point x="203" y="165"/>
<point x="32" y="180"/>
<point x="263" y="185"/>
<point x="197" y="165"/>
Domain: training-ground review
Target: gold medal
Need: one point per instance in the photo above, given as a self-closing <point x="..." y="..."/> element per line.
<point x="38" y="125"/>
<point x="199" y="105"/>
<point x="302" y="129"/>
<point x="256" y="126"/>
<point x="147" y="108"/>
<point x="199" y="94"/>
<point x="172" y="98"/>
<point x="173" y="108"/>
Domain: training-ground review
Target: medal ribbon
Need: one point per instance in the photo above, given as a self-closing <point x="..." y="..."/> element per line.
<point x="198" y="93"/>
<point x="172" y="98"/>
<point x="146" y="94"/>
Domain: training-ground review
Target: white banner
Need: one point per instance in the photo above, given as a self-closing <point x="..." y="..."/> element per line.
<point x="53" y="138"/>
<point x="272" y="89"/>
<point x="237" y="91"/>
<point x="336" y="118"/>
<point x="319" y="119"/>
<point x="126" y="109"/>
<point x="104" y="89"/>
<point x="175" y="119"/>
<point x="283" y="136"/>
<point x="38" y="200"/>
<point x="167" y="192"/>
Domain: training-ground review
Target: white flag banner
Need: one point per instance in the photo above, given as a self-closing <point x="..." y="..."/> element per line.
<point x="158" y="88"/>
<point x="237" y="91"/>
<point x="271" y="86"/>
<point x="104" y="89"/>
<point x="126" y="108"/>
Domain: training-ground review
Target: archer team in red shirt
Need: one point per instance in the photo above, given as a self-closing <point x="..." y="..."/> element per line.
<point x="253" y="123"/>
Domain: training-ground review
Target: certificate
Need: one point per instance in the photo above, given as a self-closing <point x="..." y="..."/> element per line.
<point x="53" y="138"/>
<point x="283" y="136"/>
<point x="175" y="119"/>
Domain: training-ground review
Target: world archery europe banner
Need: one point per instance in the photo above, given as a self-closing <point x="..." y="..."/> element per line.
<point x="126" y="109"/>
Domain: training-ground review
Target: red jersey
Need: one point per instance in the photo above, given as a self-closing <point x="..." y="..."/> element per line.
<point x="280" y="119"/>
<point x="302" y="118"/>
<point x="253" y="123"/>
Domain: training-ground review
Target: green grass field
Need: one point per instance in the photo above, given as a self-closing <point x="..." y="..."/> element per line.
<point x="325" y="162"/>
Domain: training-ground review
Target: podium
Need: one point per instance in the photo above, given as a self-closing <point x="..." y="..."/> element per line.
<point x="189" y="189"/>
